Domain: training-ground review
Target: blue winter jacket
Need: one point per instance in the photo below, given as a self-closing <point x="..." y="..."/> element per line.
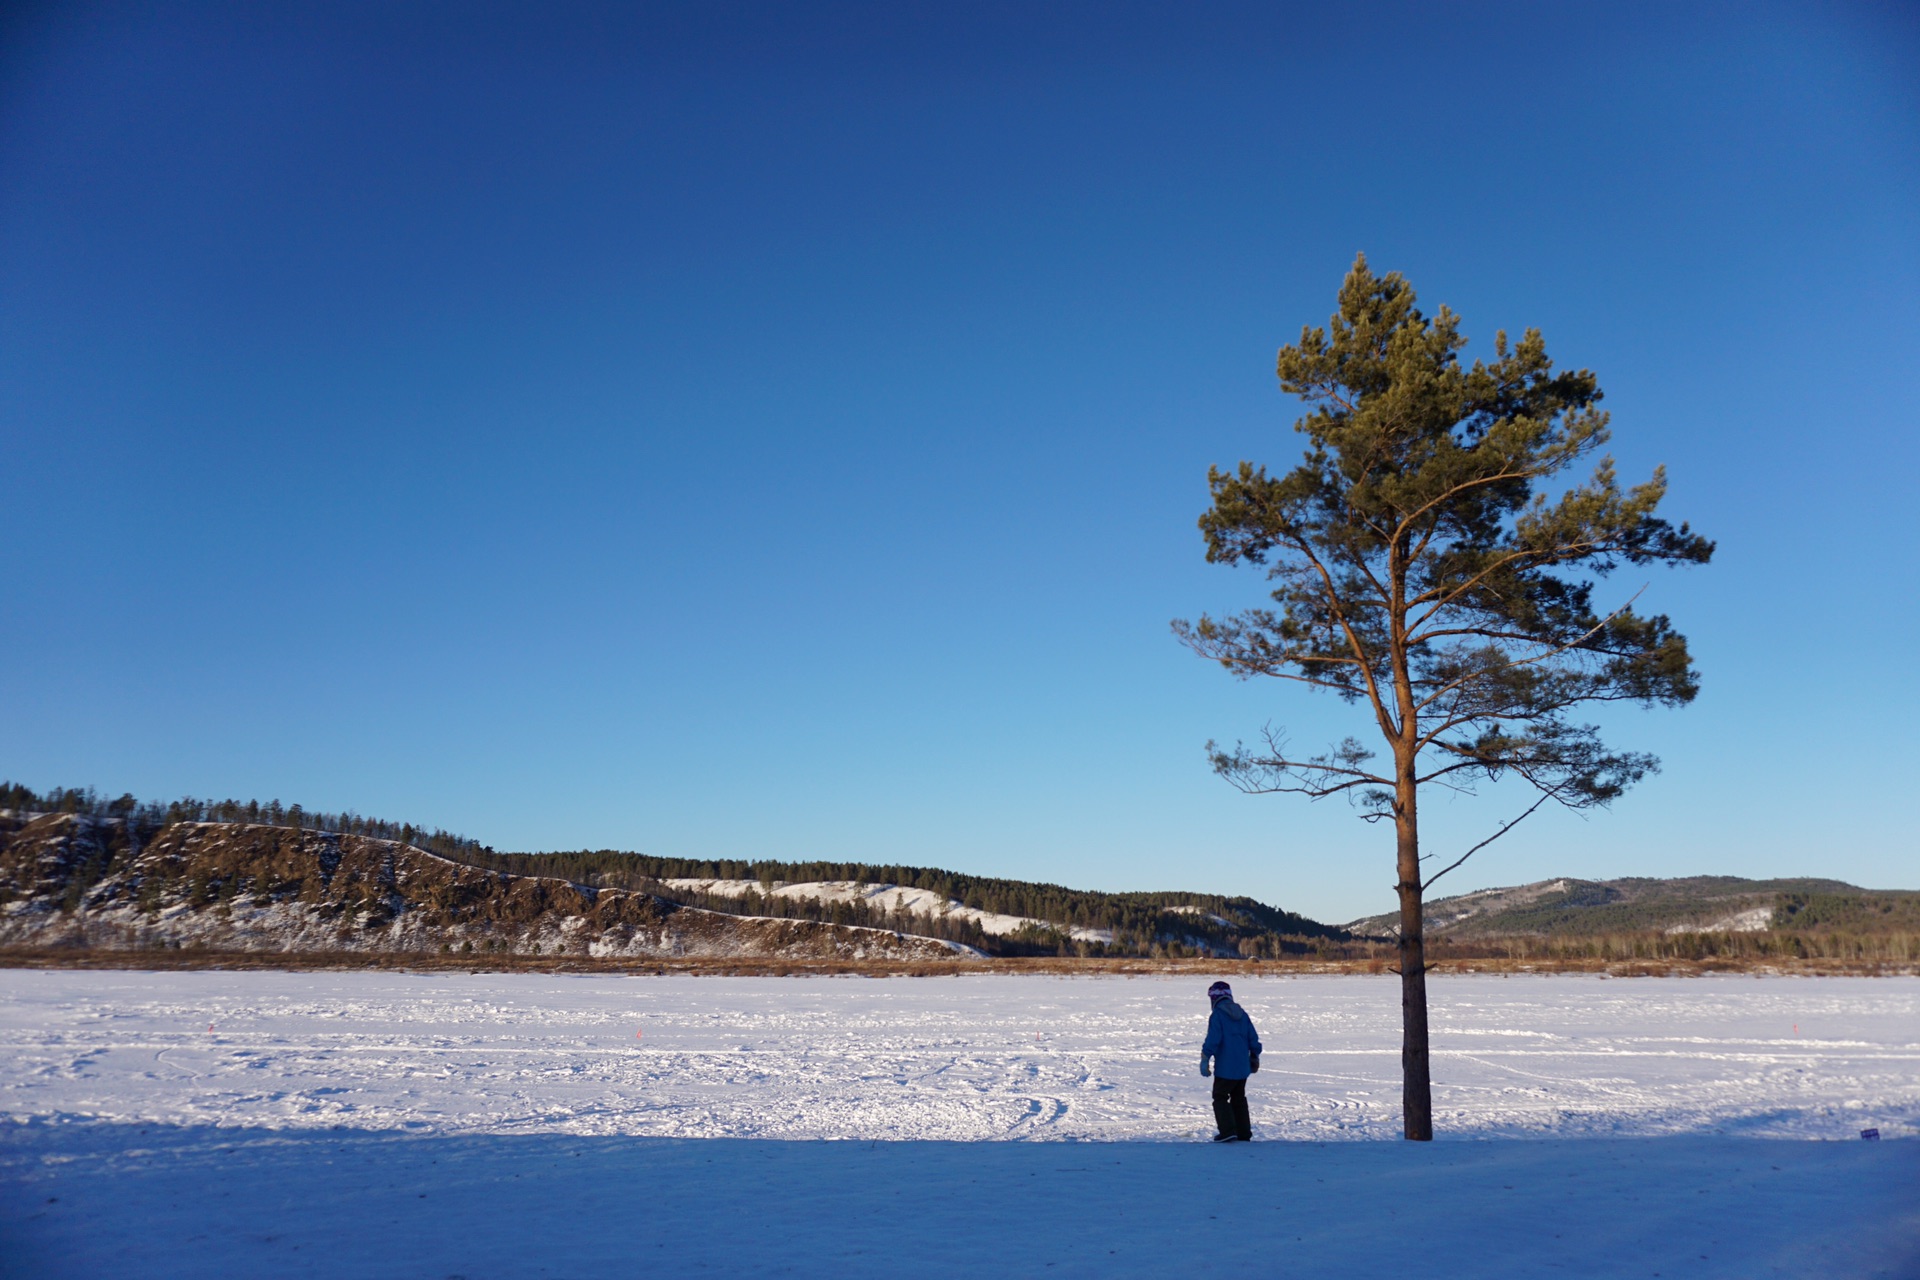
<point x="1231" y="1042"/>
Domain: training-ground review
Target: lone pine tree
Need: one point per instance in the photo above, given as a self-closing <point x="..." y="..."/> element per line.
<point x="1428" y="569"/>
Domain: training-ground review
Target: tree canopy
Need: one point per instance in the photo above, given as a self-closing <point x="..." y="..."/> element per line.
<point x="1417" y="533"/>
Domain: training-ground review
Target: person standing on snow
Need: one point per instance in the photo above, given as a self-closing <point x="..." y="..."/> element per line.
<point x="1231" y="1054"/>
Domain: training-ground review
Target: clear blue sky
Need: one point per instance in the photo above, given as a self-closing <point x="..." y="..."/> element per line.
<point x="734" y="431"/>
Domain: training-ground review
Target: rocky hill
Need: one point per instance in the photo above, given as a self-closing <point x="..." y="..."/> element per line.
<point x="1569" y="908"/>
<point x="75" y="880"/>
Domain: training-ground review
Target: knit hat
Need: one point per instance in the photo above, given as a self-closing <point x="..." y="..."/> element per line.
<point x="1219" y="991"/>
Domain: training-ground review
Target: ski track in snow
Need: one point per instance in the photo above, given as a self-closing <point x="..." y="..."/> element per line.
<point x="961" y="1058"/>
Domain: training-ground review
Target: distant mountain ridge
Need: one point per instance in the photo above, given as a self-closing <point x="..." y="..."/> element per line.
<point x="1570" y="908"/>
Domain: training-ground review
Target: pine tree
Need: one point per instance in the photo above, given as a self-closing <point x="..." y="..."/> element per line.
<point x="1422" y="572"/>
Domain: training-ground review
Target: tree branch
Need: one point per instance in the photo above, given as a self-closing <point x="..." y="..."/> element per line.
<point x="1544" y="797"/>
<point x="1332" y="594"/>
<point x="1518" y="663"/>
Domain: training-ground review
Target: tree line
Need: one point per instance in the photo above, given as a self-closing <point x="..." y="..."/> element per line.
<point x="143" y="818"/>
<point x="1139" y="913"/>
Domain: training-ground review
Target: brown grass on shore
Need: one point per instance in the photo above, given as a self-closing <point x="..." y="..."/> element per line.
<point x="190" y="959"/>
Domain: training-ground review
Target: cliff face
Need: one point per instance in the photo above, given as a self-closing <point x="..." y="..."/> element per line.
<point x="73" y="881"/>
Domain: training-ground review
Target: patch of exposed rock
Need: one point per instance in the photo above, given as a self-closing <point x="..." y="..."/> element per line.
<point x="71" y="881"/>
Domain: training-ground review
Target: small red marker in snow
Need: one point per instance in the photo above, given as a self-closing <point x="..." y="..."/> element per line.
<point x="209" y="1028"/>
<point x="639" y="1035"/>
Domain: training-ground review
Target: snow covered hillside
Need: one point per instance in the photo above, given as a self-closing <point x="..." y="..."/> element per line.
<point x="895" y="898"/>
<point x="1684" y="904"/>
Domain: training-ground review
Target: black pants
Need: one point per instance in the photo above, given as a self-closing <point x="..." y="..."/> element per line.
<point x="1230" y="1107"/>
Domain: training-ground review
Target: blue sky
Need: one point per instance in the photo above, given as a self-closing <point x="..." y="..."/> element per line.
<point x="733" y="431"/>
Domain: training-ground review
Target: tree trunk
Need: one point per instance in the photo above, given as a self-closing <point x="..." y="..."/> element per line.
<point x="1416" y="1085"/>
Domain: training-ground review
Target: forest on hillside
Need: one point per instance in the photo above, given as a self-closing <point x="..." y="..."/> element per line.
<point x="1169" y="923"/>
<point x="1641" y="905"/>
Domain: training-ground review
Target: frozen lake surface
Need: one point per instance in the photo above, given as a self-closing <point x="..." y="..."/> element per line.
<point x="963" y="1058"/>
<point x="385" y="1123"/>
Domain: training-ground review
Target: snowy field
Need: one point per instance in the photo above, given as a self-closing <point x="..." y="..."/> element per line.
<point x="507" y="1125"/>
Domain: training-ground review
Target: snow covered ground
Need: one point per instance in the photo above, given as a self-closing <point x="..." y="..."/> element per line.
<point x="508" y="1125"/>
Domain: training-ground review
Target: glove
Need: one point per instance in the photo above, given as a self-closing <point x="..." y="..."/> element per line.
<point x="1203" y="1068"/>
<point x="1253" y="1064"/>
